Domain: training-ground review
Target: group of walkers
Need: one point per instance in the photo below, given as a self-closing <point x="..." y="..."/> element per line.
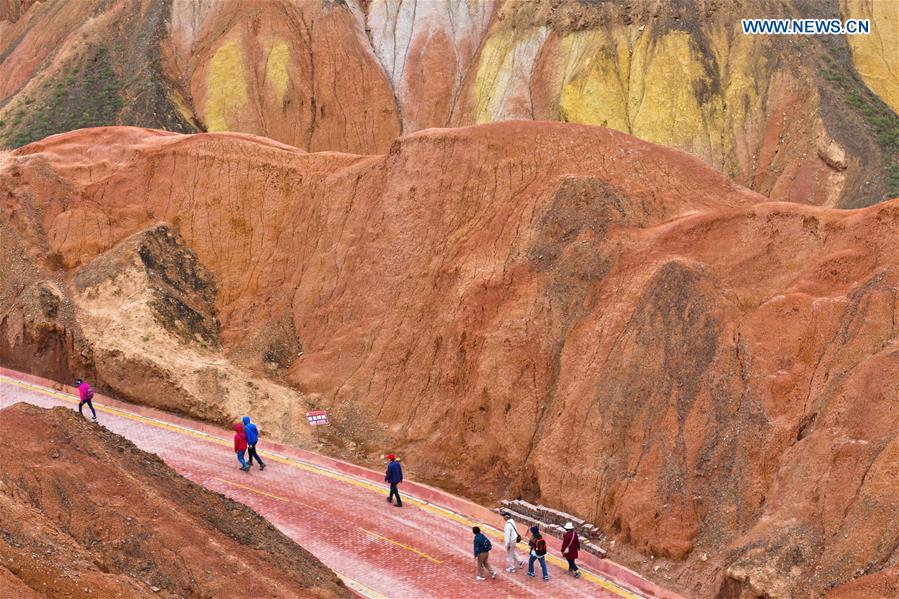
<point x="246" y="433"/>
<point x="246" y="436"/>
<point x="482" y="545"/>
<point x="536" y="544"/>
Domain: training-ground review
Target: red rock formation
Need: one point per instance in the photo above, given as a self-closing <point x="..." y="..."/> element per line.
<point x="788" y="116"/>
<point x="557" y="311"/>
<point x="85" y="511"/>
<point x="301" y="74"/>
<point x="873" y="586"/>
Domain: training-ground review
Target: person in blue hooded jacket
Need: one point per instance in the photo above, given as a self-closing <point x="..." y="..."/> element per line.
<point x="252" y="438"/>
<point x="482" y="548"/>
<point x="394" y="476"/>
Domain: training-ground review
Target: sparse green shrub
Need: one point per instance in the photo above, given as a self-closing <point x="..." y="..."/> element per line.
<point x="881" y="120"/>
<point x="82" y="96"/>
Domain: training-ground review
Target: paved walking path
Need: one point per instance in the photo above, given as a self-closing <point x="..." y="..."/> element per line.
<point x="339" y="512"/>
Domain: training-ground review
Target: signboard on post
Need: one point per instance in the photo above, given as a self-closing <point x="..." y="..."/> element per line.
<point x="317" y="418"/>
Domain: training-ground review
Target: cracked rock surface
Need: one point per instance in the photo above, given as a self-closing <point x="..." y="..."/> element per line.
<point x="553" y="311"/>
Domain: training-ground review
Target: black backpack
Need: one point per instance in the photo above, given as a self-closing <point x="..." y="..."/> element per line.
<point x="487" y="544"/>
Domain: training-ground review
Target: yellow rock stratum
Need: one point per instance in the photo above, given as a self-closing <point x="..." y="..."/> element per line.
<point x="876" y="55"/>
<point x="227" y="88"/>
<point x="793" y="117"/>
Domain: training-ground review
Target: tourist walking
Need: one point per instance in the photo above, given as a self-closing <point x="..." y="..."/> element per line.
<point x="86" y="395"/>
<point x="240" y="446"/>
<point x="394" y="476"/>
<point x="252" y="433"/>
<point x="538" y="552"/>
<point x="570" y="547"/>
<point x="511" y="538"/>
<point x="482" y="547"/>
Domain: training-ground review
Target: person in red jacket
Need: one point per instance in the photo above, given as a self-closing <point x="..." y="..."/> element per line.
<point x="240" y="446"/>
<point x="570" y="547"/>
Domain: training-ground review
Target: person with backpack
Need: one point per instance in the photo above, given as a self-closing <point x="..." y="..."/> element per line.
<point x="538" y="552"/>
<point x="86" y="395"/>
<point x="240" y="446"/>
<point x="482" y="547"/>
<point x="570" y="547"/>
<point x="511" y="538"/>
<point x="394" y="476"/>
<point x="252" y="433"/>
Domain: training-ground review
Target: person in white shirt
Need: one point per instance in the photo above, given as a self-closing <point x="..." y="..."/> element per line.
<point x="511" y="538"/>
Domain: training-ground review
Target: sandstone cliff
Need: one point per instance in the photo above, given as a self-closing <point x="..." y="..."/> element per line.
<point x="140" y="320"/>
<point x="798" y="118"/>
<point x="81" y="517"/>
<point x="555" y="311"/>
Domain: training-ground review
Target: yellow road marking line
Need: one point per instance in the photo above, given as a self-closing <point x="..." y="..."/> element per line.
<point x="360" y="588"/>
<point x="228" y="482"/>
<point x="596" y="579"/>
<point x="398" y="544"/>
<point x="443" y="513"/>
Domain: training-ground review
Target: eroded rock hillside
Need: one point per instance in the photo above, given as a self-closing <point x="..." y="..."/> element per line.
<point x="86" y="513"/>
<point x="553" y="311"/>
<point x="809" y="119"/>
<point x="140" y="319"/>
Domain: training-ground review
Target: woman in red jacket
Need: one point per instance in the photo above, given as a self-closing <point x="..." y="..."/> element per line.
<point x="240" y="446"/>
<point x="570" y="546"/>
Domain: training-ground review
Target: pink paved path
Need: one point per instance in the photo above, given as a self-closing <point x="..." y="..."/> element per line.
<point x="338" y="510"/>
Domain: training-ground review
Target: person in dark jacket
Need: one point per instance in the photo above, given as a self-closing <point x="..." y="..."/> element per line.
<point x="570" y="547"/>
<point x="85" y="395"/>
<point x="482" y="554"/>
<point x="240" y="446"/>
<point x="252" y="438"/>
<point x="538" y="552"/>
<point x="394" y="476"/>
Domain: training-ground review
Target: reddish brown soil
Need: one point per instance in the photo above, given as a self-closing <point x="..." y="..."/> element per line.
<point x="83" y="510"/>
<point x="873" y="586"/>
<point x="559" y="312"/>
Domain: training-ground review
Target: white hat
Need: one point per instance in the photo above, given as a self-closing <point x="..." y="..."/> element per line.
<point x="569" y="526"/>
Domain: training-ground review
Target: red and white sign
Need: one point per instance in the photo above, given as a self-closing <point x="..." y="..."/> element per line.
<point x="317" y="417"/>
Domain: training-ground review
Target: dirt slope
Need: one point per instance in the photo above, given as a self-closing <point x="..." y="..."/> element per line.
<point x="808" y="119"/>
<point x="140" y="320"/>
<point x="555" y="311"/>
<point x="84" y="509"/>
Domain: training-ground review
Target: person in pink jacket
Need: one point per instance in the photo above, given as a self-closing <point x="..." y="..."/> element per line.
<point x="85" y="394"/>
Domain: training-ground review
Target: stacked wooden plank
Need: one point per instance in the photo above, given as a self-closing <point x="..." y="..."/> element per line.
<point x="552" y="522"/>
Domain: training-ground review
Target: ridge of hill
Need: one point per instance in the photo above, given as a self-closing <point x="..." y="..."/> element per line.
<point x="807" y="119"/>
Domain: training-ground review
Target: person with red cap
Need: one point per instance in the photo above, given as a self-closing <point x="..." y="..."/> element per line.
<point x="394" y="476"/>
